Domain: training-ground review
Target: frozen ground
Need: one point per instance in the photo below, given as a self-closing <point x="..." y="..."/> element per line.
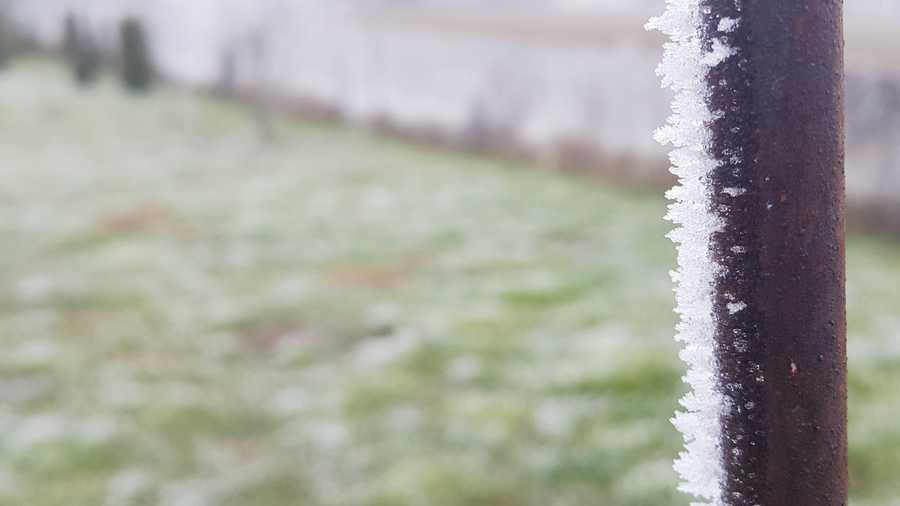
<point x="191" y="318"/>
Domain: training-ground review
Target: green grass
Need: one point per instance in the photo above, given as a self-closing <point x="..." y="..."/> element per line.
<point x="190" y="316"/>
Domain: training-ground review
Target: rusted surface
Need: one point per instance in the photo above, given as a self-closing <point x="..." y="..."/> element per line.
<point x="780" y="193"/>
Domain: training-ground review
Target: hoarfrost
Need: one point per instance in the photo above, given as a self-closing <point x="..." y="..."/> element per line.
<point x="734" y="192"/>
<point x="736" y="307"/>
<point x="727" y="25"/>
<point x="684" y="69"/>
<point x="719" y="53"/>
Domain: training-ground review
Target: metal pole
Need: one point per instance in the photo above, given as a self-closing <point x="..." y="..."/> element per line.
<point x="780" y="312"/>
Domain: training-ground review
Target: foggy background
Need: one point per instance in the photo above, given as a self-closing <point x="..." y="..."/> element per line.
<point x="564" y="82"/>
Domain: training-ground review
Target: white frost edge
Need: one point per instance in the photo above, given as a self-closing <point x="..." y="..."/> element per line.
<point x="684" y="69"/>
<point x="727" y="25"/>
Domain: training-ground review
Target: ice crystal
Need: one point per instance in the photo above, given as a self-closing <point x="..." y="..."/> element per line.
<point x="684" y="69"/>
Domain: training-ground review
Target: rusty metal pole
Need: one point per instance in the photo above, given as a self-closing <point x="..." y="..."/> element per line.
<point x="780" y="194"/>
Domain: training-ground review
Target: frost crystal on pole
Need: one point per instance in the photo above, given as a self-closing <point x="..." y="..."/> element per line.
<point x="757" y="131"/>
<point x="684" y="69"/>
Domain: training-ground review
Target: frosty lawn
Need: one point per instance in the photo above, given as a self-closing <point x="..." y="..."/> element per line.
<point x="191" y="318"/>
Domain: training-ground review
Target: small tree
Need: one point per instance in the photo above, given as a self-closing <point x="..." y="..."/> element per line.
<point x="80" y="52"/>
<point x="228" y="74"/>
<point x="87" y="61"/>
<point x="70" y="38"/>
<point x="137" y="69"/>
<point x="11" y="40"/>
<point x="4" y="42"/>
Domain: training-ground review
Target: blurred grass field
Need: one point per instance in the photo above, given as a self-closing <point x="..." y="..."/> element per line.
<point x="191" y="317"/>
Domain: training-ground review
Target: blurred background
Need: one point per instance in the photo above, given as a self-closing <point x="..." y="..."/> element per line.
<point x="372" y="252"/>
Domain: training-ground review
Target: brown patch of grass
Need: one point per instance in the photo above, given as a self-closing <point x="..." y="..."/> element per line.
<point x="137" y="219"/>
<point x="376" y="278"/>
